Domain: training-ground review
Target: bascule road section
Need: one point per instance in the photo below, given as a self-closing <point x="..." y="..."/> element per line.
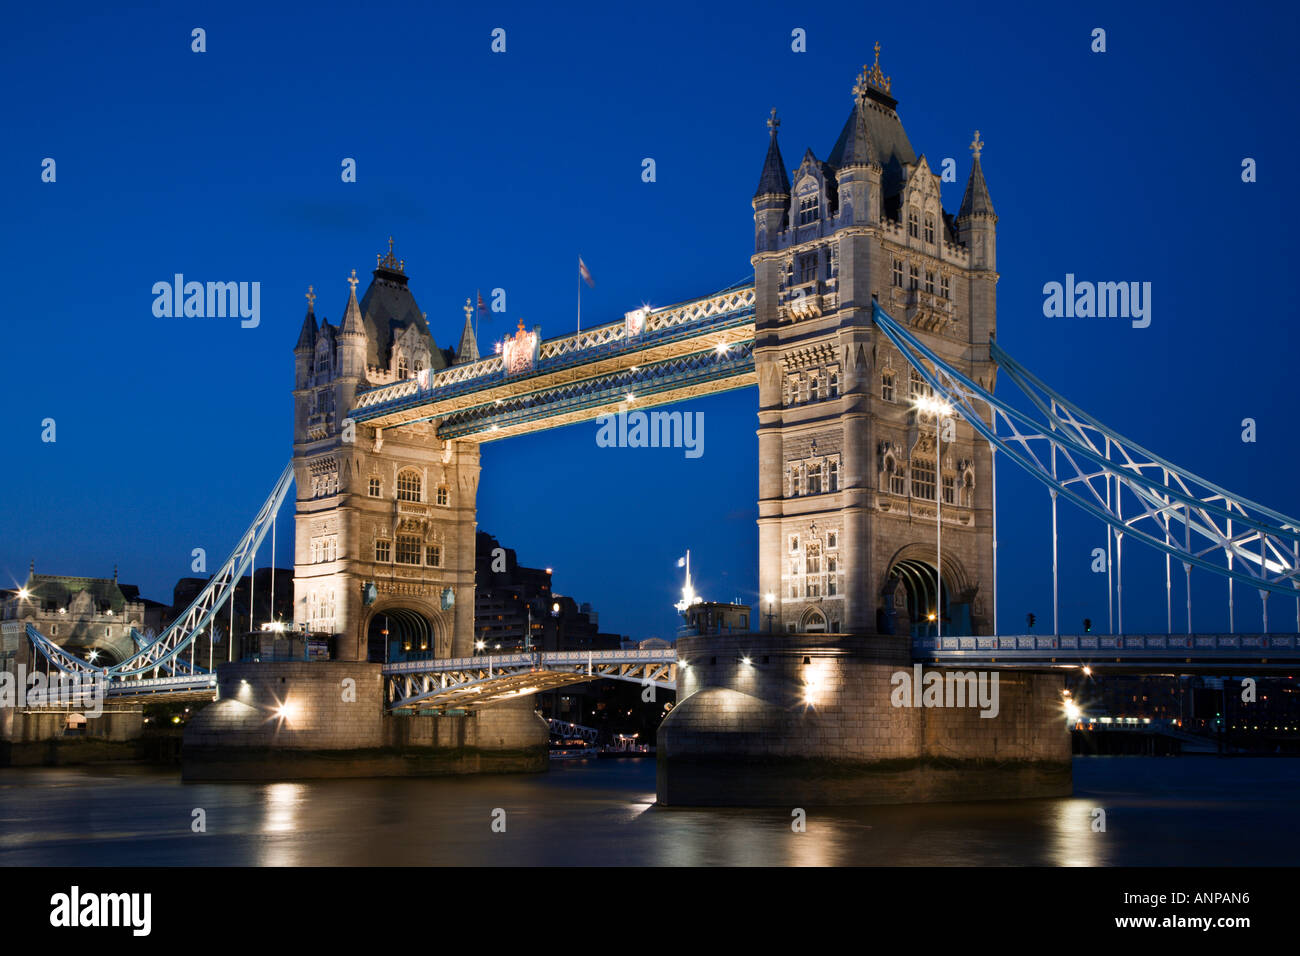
<point x="651" y="357"/>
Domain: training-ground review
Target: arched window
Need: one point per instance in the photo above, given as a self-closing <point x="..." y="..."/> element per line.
<point x="814" y="388"/>
<point x="814" y="478"/>
<point x="403" y="369"/>
<point x="442" y="497"/>
<point x="929" y="228"/>
<point x="887" y="386"/>
<point x="433" y="556"/>
<point x="408" y="485"/>
<point x="835" y="385"/>
<point x="833" y="476"/>
<point x="912" y="229"/>
<point x="374" y="488"/>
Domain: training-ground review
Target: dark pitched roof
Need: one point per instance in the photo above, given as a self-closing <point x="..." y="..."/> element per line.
<point x="976" y="201"/>
<point x="307" y="337"/>
<point x="773" y="180"/>
<point x="887" y="142"/>
<point x="387" y="308"/>
<point x="468" y="349"/>
<point x="57" y="590"/>
<point x="857" y="142"/>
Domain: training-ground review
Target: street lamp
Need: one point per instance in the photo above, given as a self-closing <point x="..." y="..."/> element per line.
<point x="938" y="408"/>
<point x="770" y="598"/>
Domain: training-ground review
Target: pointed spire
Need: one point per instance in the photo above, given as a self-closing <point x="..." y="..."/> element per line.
<point x="857" y="145"/>
<point x="773" y="181"/>
<point x="976" y="201"/>
<point x="468" y="349"/>
<point x="352" y="316"/>
<point x="307" y="337"/>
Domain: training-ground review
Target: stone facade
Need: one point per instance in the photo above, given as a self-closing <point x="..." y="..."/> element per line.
<point x="802" y="721"/>
<point x="848" y="476"/>
<point x="394" y="510"/>
<point x="276" y="721"/>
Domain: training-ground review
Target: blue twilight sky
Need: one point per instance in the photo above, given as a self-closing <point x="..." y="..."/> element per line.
<point x="498" y="170"/>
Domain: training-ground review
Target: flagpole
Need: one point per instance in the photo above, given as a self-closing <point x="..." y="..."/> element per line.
<point x="478" y="297"/>
<point x="579" y="295"/>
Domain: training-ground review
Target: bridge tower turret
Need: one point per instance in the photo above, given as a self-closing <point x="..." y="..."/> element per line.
<point x="851" y="472"/>
<point x="385" y="522"/>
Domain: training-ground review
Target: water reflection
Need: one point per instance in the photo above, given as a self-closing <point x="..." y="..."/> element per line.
<point x="1160" y="811"/>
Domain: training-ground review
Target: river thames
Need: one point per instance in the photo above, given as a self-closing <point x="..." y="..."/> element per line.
<point x="1202" y="811"/>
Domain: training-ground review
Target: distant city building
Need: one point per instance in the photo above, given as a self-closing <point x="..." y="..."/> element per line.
<point x="91" y="617"/>
<point x="713" y="617"/>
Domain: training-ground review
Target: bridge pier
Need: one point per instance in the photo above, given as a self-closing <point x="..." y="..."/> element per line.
<point x="803" y="720"/>
<point x="299" y="720"/>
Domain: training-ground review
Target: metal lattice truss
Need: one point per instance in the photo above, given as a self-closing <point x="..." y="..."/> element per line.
<point x="469" y="683"/>
<point x="641" y="386"/>
<point x="1137" y="493"/>
<point x="162" y="654"/>
<point x="475" y="389"/>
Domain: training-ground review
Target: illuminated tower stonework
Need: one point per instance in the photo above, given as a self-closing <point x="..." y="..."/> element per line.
<point x="848" y="471"/>
<point x="385" y="520"/>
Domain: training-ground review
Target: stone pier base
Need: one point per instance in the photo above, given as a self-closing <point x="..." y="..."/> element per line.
<point x="809" y="720"/>
<point x="299" y="720"/>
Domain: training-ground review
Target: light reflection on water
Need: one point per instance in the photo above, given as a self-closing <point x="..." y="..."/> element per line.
<point x="1159" y="811"/>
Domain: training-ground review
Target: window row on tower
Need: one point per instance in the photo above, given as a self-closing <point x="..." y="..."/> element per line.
<point x="934" y="282"/>
<point x="813" y="566"/>
<point x="812" y="385"/>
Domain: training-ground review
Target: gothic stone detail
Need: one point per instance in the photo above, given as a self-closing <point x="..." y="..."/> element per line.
<point x="866" y="224"/>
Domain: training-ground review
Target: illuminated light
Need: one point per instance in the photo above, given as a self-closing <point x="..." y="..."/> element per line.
<point x="176" y="718"/>
<point x="932" y="615"/>
<point x="1088" y="671"/>
<point x="635" y="368"/>
<point x="494" y="428"/>
<point x="24" y="594"/>
<point x="92" y="656"/>
<point x="555" y="608"/>
<point x="631" y="397"/>
<point x="745" y="661"/>
<point x="770" y="597"/>
<point x="1072" y="711"/>
<point x="722" y="348"/>
<point x="109" y="612"/>
<point x="287" y="711"/>
<point x="63" y="610"/>
<point x="548" y="570"/>
<point x="479" y="645"/>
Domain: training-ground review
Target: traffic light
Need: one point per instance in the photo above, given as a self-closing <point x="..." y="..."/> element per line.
<point x="1029" y="619"/>
<point x="1087" y="625"/>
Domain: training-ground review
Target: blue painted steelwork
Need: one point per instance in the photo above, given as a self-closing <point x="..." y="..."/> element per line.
<point x="163" y="651"/>
<point x="1151" y="652"/>
<point x="721" y="321"/>
<point x="646" y="382"/>
<point x="1093" y="456"/>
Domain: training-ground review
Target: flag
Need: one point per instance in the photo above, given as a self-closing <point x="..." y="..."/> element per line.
<point x="585" y="273"/>
<point x="482" y="306"/>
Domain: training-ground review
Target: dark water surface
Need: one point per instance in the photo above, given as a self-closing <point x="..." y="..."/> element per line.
<point x="1159" y="811"/>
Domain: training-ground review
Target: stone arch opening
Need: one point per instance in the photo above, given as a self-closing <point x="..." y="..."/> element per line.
<point x="912" y="601"/>
<point x="813" y="621"/>
<point x="396" y="633"/>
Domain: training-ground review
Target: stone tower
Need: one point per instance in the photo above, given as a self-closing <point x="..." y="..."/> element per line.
<point x="848" y="476"/>
<point x="385" y="521"/>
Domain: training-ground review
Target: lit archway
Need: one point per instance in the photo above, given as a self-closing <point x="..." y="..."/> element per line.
<point x="399" y="632"/>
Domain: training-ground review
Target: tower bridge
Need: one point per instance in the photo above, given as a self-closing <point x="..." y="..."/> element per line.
<point x="869" y="331"/>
